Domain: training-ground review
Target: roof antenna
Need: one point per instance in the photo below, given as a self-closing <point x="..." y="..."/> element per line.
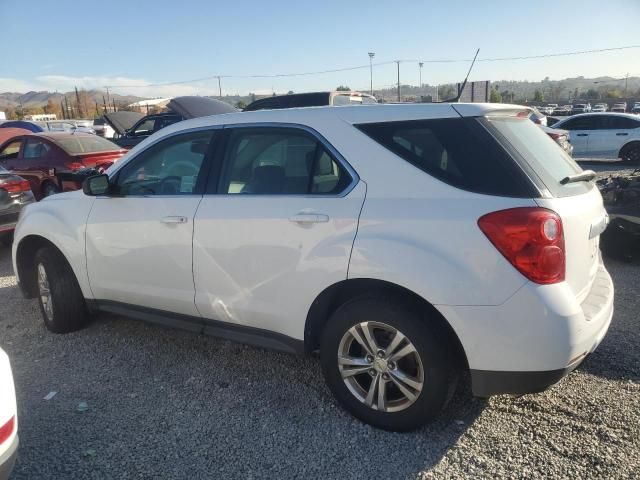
<point x="464" y="84"/>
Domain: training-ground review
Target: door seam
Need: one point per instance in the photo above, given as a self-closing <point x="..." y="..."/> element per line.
<point x="364" y="199"/>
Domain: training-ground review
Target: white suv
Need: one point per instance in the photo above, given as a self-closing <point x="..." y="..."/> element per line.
<point x="8" y="418"/>
<point x="405" y="243"/>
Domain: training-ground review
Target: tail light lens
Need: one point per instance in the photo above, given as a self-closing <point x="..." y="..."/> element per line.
<point x="18" y="186"/>
<point x="531" y="239"/>
<point x="7" y="429"/>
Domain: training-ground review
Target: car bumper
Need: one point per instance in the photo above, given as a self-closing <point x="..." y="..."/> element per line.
<point x="535" y="338"/>
<point x="8" y="459"/>
<point x="8" y="221"/>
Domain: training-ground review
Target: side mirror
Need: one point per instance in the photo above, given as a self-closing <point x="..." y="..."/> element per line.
<point x="96" y="185"/>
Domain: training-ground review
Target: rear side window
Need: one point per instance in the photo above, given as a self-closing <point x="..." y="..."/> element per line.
<point x="457" y="151"/>
<point x="541" y="154"/>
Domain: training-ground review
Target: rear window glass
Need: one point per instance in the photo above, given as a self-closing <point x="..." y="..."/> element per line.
<point x="547" y="160"/>
<point x="88" y="144"/>
<point x="457" y="151"/>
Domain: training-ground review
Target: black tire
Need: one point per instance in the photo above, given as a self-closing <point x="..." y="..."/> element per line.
<point x="6" y="239"/>
<point x="439" y="367"/>
<point x="49" y="189"/>
<point x="631" y="153"/>
<point x="68" y="312"/>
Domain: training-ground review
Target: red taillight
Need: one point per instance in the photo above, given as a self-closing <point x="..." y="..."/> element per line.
<point x="7" y="429"/>
<point x="74" y="165"/>
<point x="18" y="186"/>
<point x="532" y="239"/>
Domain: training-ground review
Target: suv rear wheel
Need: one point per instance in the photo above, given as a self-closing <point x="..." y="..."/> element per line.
<point x="59" y="295"/>
<point x="385" y="364"/>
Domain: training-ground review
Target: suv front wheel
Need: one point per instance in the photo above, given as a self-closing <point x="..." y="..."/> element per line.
<point x="385" y="364"/>
<point x="61" y="301"/>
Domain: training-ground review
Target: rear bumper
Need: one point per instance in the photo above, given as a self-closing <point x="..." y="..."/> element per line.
<point x="8" y="459"/>
<point x="535" y="338"/>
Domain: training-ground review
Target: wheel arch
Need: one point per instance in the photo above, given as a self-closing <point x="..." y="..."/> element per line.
<point x="629" y="144"/>
<point x="337" y="294"/>
<point x="25" y="261"/>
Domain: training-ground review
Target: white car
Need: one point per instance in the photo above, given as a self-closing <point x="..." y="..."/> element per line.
<point x="405" y="243"/>
<point x="8" y="418"/>
<point x="604" y="135"/>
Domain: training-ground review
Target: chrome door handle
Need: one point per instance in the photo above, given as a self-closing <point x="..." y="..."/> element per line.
<point x="174" y="219"/>
<point x="309" y="218"/>
<point x="621" y="134"/>
<point x="582" y="135"/>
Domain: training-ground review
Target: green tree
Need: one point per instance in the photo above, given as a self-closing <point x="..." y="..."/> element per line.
<point x="343" y="88"/>
<point x="538" y="96"/>
<point x="241" y="104"/>
<point x="494" y="96"/>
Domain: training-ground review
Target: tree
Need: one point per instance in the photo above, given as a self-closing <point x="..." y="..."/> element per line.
<point x="343" y="88"/>
<point x="53" y="107"/>
<point x="241" y="104"/>
<point x="538" y="96"/>
<point x="494" y="96"/>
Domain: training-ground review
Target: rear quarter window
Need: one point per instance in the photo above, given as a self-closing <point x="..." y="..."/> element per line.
<point x="457" y="151"/>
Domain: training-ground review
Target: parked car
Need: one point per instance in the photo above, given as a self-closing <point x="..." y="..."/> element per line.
<point x="620" y="107"/>
<point x="546" y="110"/>
<point x="604" y="135"/>
<point x="313" y="99"/>
<point x="561" y="137"/>
<point x="15" y="193"/>
<point x="81" y="126"/>
<point x="600" y="107"/>
<point x="563" y="110"/>
<point x="23" y="124"/>
<point x="635" y="108"/>
<point x="133" y="128"/>
<point x="102" y="128"/>
<point x="41" y="157"/>
<point x="579" y="108"/>
<point x="8" y="418"/>
<point x="473" y="245"/>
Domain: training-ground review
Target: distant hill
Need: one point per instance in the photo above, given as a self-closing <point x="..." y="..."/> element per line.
<point x="40" y="99"/>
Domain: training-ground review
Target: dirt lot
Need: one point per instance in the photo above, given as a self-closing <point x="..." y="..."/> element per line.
<point x="161" y="403"/>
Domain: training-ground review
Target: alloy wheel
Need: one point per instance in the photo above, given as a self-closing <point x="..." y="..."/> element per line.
<point x="45" y="292"/>
<point x="380" y="366"/>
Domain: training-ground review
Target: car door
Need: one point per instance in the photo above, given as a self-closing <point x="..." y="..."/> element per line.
<point x="614" y="132"/>
<point x="580" y="129"/>
<point x="33" y="163"/>
<point x="278" y="231"/>
<point x="139" y="240"/>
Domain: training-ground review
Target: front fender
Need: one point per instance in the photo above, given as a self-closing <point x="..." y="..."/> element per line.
<point x="61" y="221"/>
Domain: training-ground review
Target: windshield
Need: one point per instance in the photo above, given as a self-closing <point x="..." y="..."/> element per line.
<point x="547" y="160"/>
<point x="89" y="144"/>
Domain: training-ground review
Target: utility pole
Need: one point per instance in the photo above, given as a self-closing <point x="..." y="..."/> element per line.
<point x="420" y="64"/>
<point x="108" y="99"/>
<point x="371" y="55"/>
<point x="78" y="102"/>
<point x="398" y="64"/>
<point x="626" y="81"/>
<point x="219" y="87"/>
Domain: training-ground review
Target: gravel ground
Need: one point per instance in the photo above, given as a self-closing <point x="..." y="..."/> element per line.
<point x="162" y="403"/>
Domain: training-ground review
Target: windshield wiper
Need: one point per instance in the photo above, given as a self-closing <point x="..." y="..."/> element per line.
<point x="585" y="176"/>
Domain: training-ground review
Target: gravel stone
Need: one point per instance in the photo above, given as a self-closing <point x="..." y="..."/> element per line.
<point x="172" y="404"/>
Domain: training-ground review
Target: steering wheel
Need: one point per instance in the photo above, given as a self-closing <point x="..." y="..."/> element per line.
<point x="170" y="185"/>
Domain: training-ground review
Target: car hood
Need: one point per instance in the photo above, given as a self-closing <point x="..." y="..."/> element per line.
<point x="122" y="121"/>
<point x="193" y="107"/>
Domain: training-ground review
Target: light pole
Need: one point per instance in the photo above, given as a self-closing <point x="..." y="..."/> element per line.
<point x="371" y="55"/>
<point x="398" y="64"/>
<point x="420" y="64"/>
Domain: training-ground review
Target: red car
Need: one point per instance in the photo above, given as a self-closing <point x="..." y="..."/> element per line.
<point x="42" y="158"/>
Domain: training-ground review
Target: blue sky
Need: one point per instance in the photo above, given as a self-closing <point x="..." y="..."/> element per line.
<point x="59" y="44"/>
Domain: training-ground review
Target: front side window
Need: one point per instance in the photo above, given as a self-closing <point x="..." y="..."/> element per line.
<point x="145" y="128"/>
<point x="171" y="167"/>
<point x="587" y="122"/>
<point x="35" y="149"/>
<point x="277" y="161"/>
<point x="11" y="151"/>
